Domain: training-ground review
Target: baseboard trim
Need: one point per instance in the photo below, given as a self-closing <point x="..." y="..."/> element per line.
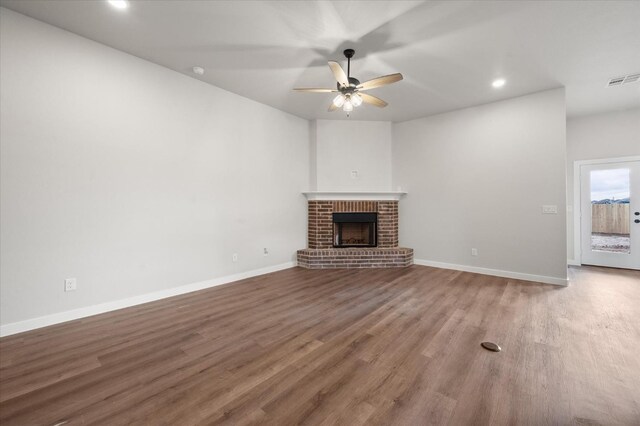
<point x="573" y="262"/>
<point x="60" y="317"/>
<point x="494" y="272"/>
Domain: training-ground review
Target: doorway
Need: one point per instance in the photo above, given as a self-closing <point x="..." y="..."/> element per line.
<point x="610" y="214"/>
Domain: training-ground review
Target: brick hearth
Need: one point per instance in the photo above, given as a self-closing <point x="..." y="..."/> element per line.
<point x="322" y="254"/>
<point x="355" y="258"/>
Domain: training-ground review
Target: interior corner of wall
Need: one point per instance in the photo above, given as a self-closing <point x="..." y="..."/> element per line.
<point x="313" y="155"/>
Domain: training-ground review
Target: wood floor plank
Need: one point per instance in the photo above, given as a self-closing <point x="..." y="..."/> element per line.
<point x="345" y="347"/>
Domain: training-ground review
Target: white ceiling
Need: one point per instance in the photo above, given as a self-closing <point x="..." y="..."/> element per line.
<point x="449" y="52"/>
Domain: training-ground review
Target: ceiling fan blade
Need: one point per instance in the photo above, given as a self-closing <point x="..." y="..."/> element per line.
<point x="332" y="107"/>
<point x="339" y="74"/>
<point x="372" y="100"/>
<point x="380" y="81"/>
<point x="314" y="90"/>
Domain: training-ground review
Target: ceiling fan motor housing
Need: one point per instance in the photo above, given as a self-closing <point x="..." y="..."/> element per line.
<point x="353" y="83"/>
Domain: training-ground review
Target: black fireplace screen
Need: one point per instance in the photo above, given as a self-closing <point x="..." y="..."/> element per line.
<point x="355" y="229"/>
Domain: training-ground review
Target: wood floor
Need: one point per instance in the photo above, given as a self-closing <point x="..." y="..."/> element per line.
<point x="351" y="347"/>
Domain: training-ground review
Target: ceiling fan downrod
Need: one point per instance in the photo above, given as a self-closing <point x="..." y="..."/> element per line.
<point x="348" y="53"/>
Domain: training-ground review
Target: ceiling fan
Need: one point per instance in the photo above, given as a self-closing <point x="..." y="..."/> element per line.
<point x="350" y="89"/>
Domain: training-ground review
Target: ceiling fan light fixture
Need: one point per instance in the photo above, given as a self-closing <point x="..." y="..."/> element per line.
<point x="348" y="106"/>
<point x="338" y="101"/>
<point x="356" y="100"/>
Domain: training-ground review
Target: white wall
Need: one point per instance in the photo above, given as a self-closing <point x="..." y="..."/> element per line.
<point x="343" y="146"/>
<point x="478" y="177"/>
<point x="131" y="177"/>
<point x="595" y="137"/>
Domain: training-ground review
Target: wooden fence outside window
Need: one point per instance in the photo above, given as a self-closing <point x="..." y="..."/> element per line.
<point x="610" y="218"/>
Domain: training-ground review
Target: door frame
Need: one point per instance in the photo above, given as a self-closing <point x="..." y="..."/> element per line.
<point x="577" y="199"/>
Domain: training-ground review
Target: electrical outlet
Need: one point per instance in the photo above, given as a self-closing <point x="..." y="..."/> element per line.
<point x="265" y="251"/>
<point x="235" y="257"/>
<point x="474" y="252"/>
<point x="70" y="284"/>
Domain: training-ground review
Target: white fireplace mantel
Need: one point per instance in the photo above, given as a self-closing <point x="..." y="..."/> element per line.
<point x="353" y="195"/>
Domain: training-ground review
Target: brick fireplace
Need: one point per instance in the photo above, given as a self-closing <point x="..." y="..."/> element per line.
<point x="353" y="234"/>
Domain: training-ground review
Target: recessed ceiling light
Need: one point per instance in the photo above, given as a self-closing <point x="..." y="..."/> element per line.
<point x="498" y="83"/>
<point x="119" y="4"/>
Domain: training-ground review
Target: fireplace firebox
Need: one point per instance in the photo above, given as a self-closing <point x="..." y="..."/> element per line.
<point x="355" y="229"/>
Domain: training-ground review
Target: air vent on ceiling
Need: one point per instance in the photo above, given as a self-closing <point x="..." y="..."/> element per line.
<point x="617" y="81"/>
<point x="631" y="78"/>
